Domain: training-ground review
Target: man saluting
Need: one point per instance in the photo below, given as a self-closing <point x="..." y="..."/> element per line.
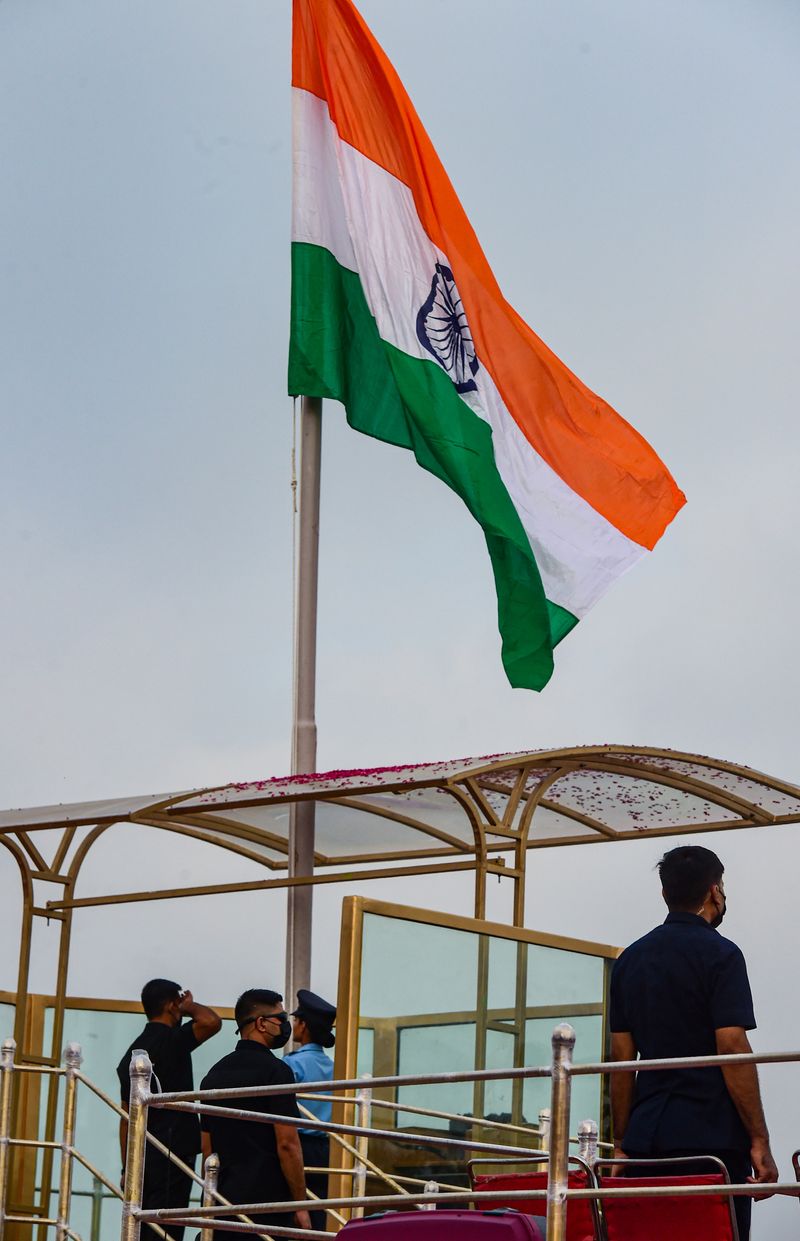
<point x="169" y="1040"/>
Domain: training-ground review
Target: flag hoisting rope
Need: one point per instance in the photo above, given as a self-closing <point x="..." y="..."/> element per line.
<point x="396" y="313"/>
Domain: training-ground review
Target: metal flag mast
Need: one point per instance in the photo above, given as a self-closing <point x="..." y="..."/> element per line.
<point x="304" y="729"/>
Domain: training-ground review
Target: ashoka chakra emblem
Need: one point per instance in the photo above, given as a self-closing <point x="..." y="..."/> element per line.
<point x="443" y="329"/>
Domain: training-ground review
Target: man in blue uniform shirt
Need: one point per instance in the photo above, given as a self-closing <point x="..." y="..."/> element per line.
<point x="312" y="1030"/>
<point x="682" y="990"/>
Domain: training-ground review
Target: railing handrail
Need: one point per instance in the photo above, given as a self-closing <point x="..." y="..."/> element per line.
<point x="167" y="1099"/>
<point x="217" y="1209"/>
<point x="333" y="1127"/>
<point x="684" y="1062"/>
<point x="789" y="1189"/>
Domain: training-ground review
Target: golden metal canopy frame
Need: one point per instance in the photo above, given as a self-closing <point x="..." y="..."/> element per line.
<point x="480" y="815"/>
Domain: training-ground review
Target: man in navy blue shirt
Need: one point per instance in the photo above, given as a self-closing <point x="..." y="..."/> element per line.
<point x="682" y="990"/>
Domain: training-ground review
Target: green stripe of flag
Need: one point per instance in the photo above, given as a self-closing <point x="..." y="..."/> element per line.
<point x="336" y="352"/>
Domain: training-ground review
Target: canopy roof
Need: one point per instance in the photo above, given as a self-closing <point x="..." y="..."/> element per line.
<point x="473" y="808"/>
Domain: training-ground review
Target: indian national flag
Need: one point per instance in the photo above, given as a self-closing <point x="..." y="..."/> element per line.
<point x="396" y="313"/>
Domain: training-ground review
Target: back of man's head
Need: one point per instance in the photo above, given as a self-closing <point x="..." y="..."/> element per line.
<point x="687" y="873"/>
<point x="157" y="994"/>
<point x="254" y="1002"/>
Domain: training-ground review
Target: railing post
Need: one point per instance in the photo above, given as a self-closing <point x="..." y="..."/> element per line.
<point x="558" y="1165"/>
<point x="363" y="1117"/>
<point x="97" y="1209"/>
<point x="587" y="1141"/>
<point x="431" y="1187"/>
<point x="544" y="1128"/>
<point x="141" y="1071"/>
<point x="73" y="1058"/>
<point x="210" y="1179"/>
<point x="6" y="1086"/>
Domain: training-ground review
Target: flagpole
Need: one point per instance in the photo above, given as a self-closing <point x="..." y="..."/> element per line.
<point x="304" y="730"/>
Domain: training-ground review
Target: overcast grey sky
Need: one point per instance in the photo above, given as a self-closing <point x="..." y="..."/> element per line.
<point x="631" y="169"/>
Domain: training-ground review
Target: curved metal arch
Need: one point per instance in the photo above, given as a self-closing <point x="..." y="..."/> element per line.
<point x="690" y="785"/>
<point x="395" y="816"/>
<point x="18" y="854"/>
<point x="525" y="824"/>
<point x="614" y="753"/>
<point x="79" y="856"/>
<point x="26" y="928"/>
<point x="187" y="827"/>
<point x="700" y="760"/>
<point x="466" y="801"/>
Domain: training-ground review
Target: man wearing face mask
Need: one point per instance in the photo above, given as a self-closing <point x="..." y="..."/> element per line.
<point x="258" y="1162"/>
<point x="682" y="990"/>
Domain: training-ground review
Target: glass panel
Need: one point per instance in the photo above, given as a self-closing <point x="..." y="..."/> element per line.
<point x="436" y="1049"/>
<point x="501" y="991"/>
<point x="586" y="1091"/>
<point x="7" y="1012"/>
<point x="559" y="977"/>
<point x="103" y="1037"/>
<point x="436" y="998"/>
<point x="413" y="967"/>
<point x="749" y="788"/>
<point x="627" y="803"/>
<point x="365" y="1053"/>
<point x="498" y="1100"/>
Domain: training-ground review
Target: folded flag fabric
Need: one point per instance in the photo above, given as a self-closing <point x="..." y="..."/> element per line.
<point x="396" y="313"/>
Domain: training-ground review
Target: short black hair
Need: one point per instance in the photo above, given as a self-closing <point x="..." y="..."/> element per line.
<point x="250" y="1003"/>
<point x="686" y="875"/>
<point x="320" y="1032"/>
<point x="156" y="995"/>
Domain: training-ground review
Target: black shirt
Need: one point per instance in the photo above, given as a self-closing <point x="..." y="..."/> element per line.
<point x="249" y="1167"/>
<point x="672" y="990"/>
<point x="170" y="1049"/>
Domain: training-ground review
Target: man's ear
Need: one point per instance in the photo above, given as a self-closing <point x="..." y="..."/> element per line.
<point x="664" y="897"/>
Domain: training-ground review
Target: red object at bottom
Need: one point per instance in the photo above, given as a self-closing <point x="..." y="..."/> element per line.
<point x="580" y="1225"/>
<point x="665" y="1219"/>
<point x="444" y="1226"/>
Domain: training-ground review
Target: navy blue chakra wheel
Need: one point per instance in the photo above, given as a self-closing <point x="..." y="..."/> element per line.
<point x="443" y="329"/>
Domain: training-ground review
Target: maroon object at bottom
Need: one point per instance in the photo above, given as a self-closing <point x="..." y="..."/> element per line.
<point x="444" y="1226"/>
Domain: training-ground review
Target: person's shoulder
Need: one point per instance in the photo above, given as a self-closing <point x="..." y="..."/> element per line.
<point x="302" y="1063"/>
<point x="640" y="945"/>
<point x="299" y="1054"/>
<point x="281" y="1070"/>
<point x="155" y="1038"/>
<point x="724" y="948"/>
<point x="217" y="1071"/>
<point x="142" y="1041"/>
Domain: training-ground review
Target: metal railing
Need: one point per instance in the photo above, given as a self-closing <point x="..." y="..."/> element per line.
<point x="556" y="1195"/>
<point x="216" y="1213"/>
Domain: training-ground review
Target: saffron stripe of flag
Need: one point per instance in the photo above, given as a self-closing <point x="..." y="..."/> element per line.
<point x="396" y="313"/>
